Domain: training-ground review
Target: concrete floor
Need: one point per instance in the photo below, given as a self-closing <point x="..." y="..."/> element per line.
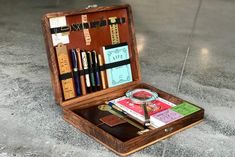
<point x="31" y="123"/>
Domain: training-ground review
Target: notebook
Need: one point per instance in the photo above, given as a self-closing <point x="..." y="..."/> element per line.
<point x="120" y="74"/>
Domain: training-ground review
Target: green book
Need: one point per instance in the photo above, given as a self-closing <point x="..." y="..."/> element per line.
<point x="120" y="74"/>
<point x="185" y="109"/>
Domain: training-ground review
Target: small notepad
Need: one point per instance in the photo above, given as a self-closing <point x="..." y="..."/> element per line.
<point x="121" y="74"/>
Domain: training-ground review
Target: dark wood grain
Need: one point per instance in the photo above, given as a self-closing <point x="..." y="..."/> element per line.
<point x="73" y="109"/>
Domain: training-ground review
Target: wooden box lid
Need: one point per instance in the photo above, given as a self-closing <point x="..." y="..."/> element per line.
<point x="99" y="37"/>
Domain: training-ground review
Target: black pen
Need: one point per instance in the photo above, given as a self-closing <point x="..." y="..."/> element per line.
<point x="75" y="71"/>
<point x="91" y="71"/>
<point x="96" y="70"/>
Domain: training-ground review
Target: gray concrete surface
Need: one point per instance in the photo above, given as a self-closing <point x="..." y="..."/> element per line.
<point x="31" y="123"/>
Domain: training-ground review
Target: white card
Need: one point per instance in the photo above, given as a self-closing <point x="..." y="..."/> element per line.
<point x="155" y="122"/>
<point x="59" y="37"/>
<point x="57" y="22"/>
<point x="167" y="102"/>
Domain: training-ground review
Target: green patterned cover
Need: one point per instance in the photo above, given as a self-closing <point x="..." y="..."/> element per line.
<point x="118" y="75"/>
<point x="185" y="109"/>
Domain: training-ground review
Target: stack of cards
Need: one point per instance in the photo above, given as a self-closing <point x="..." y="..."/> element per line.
<point x="161" y="111"/>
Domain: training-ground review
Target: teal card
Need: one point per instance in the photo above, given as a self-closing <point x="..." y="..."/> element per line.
<point x="185" y="108"/>
<point x="120" y="74"/>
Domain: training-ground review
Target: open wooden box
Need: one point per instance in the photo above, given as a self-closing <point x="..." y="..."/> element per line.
<point x="82" y="111"/>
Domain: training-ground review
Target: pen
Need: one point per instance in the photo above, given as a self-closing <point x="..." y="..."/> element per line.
<point x="115" y="107"/>
<point x="82" y="77"/>
<point x="91" y="73"/>
<point x="85" y="67"/>
<point x="75" y="71"/>
<point x="102" y="72"/>
<point x="96" y="70"/>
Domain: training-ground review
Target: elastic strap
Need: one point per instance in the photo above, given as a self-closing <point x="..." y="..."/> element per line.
<point x="65" y="76"/>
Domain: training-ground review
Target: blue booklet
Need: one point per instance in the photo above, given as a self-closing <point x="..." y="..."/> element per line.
<point x="120" y="74"/>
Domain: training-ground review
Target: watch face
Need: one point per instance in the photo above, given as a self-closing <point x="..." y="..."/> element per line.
<point x="140" y="96"/>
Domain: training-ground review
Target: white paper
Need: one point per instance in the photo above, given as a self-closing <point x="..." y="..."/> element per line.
<point x="167" y="102"/>
<point x="156" y="123"/>
<point x="59" y="37"/>
<point x="58" y="22"/>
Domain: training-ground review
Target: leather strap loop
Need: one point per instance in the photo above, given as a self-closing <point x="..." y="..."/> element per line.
<point x="65" y="76"/>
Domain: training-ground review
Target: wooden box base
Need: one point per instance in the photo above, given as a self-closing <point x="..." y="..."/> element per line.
<point x="121" y="140"/>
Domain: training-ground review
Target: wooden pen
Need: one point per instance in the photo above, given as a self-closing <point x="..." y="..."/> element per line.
<point x="102" y="72"/>
<point x="82" y="77"/>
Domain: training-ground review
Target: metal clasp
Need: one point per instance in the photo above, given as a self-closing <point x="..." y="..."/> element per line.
<point x="169" y="129"/>
<point x="92" y="6"/>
